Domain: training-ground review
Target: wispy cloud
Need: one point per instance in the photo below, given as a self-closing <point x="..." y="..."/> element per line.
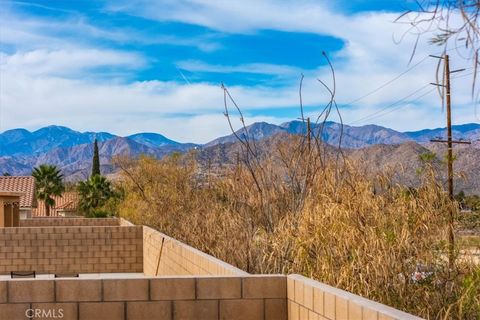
<point x="67" y="63"/>
<point x="26" y="32"/>
<point x="257" y="68"/>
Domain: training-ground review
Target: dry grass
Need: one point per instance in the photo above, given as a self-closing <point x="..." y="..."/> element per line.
<point x="296" y="211"/>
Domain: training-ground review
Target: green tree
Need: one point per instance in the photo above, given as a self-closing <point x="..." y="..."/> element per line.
<point x="96" y="160"/>
<point x="94" y="194"/>
<point x="473" y="202"/>
<point x="48" y="183"/>
<point x="427" y="157"/>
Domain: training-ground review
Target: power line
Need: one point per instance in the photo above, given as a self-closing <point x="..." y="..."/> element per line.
<point x="397" y="77"/>
<point x="378" y="113"/>
<point x="367" y="117"/>
<point x="402" y="105"/>
<point x="388" y="82"/>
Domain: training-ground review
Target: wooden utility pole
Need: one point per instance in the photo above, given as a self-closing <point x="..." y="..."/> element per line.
<point x="449" y="129"/>
<point x="450" y="142"/>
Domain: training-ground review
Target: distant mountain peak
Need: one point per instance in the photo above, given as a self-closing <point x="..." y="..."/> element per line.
<point x="21" y="142"/>
<point x="16" y="130"/>
<point x="151" y="139"/>
<point x="54" y="128"/>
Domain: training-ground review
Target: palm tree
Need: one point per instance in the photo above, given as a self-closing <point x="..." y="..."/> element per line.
<point x="94" y="193"/>
<point x="48" y="183"/>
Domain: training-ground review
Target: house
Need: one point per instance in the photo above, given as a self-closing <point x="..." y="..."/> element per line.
<point x="66" y="205"/>
<point x="9" y="209"/>
<point x="24" y="185"/>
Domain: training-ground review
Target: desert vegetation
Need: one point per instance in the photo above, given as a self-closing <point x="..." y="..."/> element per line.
<point x="298" y="205"/>
<point x="96" y="194"/>
<point x="98" y="197"/>
<point x="48" y="183"/>
<point x="296" y="210"/>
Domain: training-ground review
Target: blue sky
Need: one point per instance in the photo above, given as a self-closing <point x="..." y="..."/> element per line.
<point x="129" y="66"/>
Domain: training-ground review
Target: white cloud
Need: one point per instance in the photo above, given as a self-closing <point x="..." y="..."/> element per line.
<point x="237" y="17"/>
<point x="187" y="113"/>
<point x="40" y="83"/>
<point x="184" y="112"/>
<point x="70" y="62"/>
<point x="257" y="68"/>
<point x="197" y="128"/>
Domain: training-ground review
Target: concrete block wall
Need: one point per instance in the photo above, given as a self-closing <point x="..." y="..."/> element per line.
<point x="265" y="297"/>
<point x="212" y="298"/>
<point x="124" y="223"/>
<point x="192" y="284"/>
<point x="77" y="222"/>
<point x="163" y="255"/>
<point x="71" y="249"/>
<point x="311" y="300"/>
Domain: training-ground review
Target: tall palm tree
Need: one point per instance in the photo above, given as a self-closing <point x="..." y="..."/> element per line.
<point x="48" y="183"/>
<point x="94" y="193"/>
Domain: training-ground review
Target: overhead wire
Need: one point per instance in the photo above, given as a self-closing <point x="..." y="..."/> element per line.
<point x="399" y="106"/>
<point x="367" y="117"/>
<point x="388" y="82"/>
<point x="388" y="109"/>
<point x="397" y="77"/>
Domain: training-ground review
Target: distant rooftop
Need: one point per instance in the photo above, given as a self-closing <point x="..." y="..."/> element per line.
<point x="23" y="184"/>
<point x="67" y="202"/>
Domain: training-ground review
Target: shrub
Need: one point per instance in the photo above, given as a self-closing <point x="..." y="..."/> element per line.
<point x="298" y="211"/>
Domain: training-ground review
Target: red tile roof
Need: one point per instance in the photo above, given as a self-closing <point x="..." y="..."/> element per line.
<point x="23" y="184"/>
<point x="67" y="202"/>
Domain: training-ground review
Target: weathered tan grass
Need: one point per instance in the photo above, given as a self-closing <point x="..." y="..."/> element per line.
<point x="290" y="212"/>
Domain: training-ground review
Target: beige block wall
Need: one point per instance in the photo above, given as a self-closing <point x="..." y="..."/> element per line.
<point x="125" y="223"/>
<point x="211" y="298"/>
<point x="77" y="222"/>
<point x="163" y="255"/>
<point x="308" y="299"/>
<point x="71" y="249"/>
<point x="275" y="297"/>
<point x="224" y="293"/>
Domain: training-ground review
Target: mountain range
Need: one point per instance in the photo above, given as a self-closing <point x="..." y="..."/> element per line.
<point x="20" y="142"/>
<point x="351" y="136"/>
<point x="71" y="151"/>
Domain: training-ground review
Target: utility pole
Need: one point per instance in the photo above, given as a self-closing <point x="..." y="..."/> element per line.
<point x="449" y="129"/>
<point x="450" y="142"/>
